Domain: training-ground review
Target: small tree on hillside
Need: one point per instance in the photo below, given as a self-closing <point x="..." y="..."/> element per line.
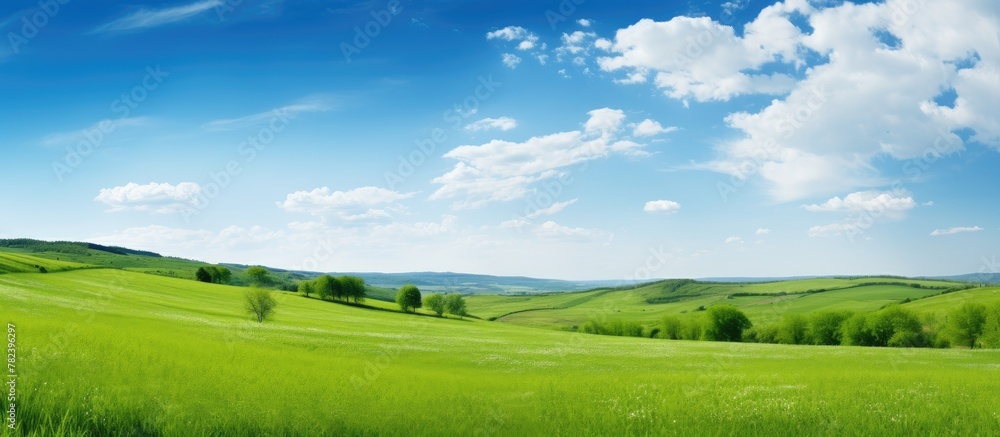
<point x="726" y="323"/>
<point x="327" y="286"/>
<point x="353" y="288"/>
<point x="408" y="297"/>
<point x="203" y="275"/>
<point x="991" y="328"/>
<point x="966" y="323"/>
<point x="220" y="275"/>
<point x="306" y="288"/>
<point x="259" y="276"/>
<point x="435" y="302"/>
<point x="259" y="303"/>
<point x="455" y="304"/>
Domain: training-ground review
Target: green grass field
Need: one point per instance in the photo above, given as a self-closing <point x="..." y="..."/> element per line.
<point x="112" y="352"/>
<point x="22" y="263"/>
<point x="766" y="302"/>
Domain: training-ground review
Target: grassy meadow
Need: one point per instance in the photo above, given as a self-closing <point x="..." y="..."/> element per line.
<point x="112" y="352"/>
<point x="762" y="302"/>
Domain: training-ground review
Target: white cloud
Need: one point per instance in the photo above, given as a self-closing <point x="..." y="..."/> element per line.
<point x="832" y="229"/>
<point x="583" y="22"/>
<point x="662" y="206"/>
<point x="763" y="231"/>
<point x="799" y="145"/>
<point x="869" y="201"/>
<point x="502" y="123"/>
<point x="928" y="203"/>
<point x="275" y="116"/>
<point x="956" y="230"/>
<point x="555" y="208"/>
<point x="148" y="18"/>
<point x="94" y="133"/>
<point x="511" y="60"/>
<point x="526" y="40"/>
<point x="502" y="170"/>
<point x="734" y="6"/>
<point x="362" y="203"/>
<point x="629" y="148"/>
<point x="160" y="198"/>
<point x="553" y="231"/>
<point x="648" y="128"/>
<point x="701" y="59"/>
<point x="575" y="46"/>
<point x="734" y="240"/>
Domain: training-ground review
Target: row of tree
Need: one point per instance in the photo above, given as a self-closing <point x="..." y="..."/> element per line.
<point x="409" y="299"/>
<point x="214" y="274"/>
<point x="971" y="325"/>
<point x="344" y="288"/>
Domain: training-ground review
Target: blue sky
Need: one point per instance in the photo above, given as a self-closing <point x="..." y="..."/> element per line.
<point x="548" y="139"/>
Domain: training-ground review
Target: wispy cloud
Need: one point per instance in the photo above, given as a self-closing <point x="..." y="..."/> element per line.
<point x="91" y="133"/>
<point x="953" y="231"/>
<point x="284" y="112"/>
<point x="149" y="18"/>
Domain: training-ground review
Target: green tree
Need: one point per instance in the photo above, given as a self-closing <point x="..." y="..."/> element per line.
<point x="259" y="303"/>
<point x="353" y="287"/>
<point x="259" y="276"/>
<point x="203" y="275"/>
<point x="408" y="297"/>
<point x="966" y="323"/>
<point x="825" y="327"/>
<point x="991" y="327"/>
<point x="726" y="323"/>
<point x="220" y="275"/>
<point x="671" y="327"/>
<point x="794" y="329"/>
<point x="327" y="287"/>
<point x="435" y="302"/>
<point x="455" y="304"/>
<point x="855" y="331"/>
<point x="306" y="288"/>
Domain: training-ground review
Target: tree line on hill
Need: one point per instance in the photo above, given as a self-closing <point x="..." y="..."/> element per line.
<point x="971" y="325"/>
<point x="409" y="299"/>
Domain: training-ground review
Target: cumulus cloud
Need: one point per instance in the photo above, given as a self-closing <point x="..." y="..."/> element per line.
<point x="661" y="207"/>
<point x="869" y="201"/>
<point x="503" y="170"/>
<point x="648" y="128"/>
<point x="357" y="204"/>
<point x="511" y="60"/>
<point x="734" y="240"/>
<point x="798" y="144"/>
<point x="956" y="230"/>
<point x="525" y="39"/>
<point x="502" y="123"/>
<point x="160" y="198"/>
<point x="698" y="58"/>
<point x="763" y="231"/>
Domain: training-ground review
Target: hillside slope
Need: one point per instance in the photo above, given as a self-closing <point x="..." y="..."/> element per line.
<point x="113" y="352"/>
<point x="762" y="302"/>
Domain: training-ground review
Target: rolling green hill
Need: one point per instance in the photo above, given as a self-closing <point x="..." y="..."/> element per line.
<point x="762" y="302"/>
<point x="115" y="352"/>
<point x="22" y="263"/>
